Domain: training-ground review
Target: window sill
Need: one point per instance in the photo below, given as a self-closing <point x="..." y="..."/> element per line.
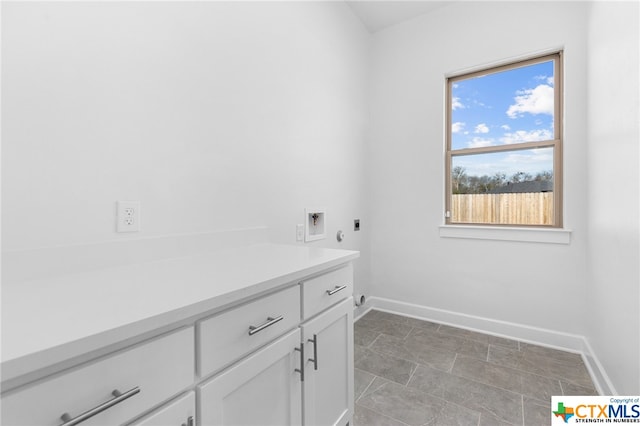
<point x="528" y="235"/>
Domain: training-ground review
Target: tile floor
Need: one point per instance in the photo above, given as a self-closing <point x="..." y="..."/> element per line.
<point x="412" y="372"/>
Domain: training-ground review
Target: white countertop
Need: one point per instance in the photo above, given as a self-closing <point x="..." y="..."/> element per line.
<point x="47" y="321"/>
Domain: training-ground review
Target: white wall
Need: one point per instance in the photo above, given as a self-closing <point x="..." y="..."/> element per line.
<point x="530" y="284"/>
<point x="223" y="115"/>
<point x="215" y="115"/>
<point x="613" y="139"/>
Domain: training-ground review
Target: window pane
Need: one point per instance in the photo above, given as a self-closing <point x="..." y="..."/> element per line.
<point x="508" y="107"/>
<point x="512" y="187"/>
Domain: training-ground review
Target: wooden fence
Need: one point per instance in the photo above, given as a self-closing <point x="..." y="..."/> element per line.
<point x="534" y="208"/>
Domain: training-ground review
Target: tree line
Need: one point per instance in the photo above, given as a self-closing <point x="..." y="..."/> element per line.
<point x="462" y="183"/>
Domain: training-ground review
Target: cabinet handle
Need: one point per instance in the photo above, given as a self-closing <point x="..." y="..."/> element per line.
<point x="270" y="321"/>
<point x="315" y="351"/>
<point x="336" y="289"/>
<point x="119" y="397"/>
<point x="190" y="422"/>
<point x="301" y="369"/>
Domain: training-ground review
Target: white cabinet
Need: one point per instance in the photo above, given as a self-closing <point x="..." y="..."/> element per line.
<point x="280" y="355"/>
<point x="305" y="377"/>
<point x="179" y="412"/>
<point x="153" y="371"/>
<point x="328" y="381"/>
<point x="264" y="389"/>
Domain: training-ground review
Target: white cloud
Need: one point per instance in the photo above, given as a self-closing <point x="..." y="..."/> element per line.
<point x="478" y="142"/>
<point x="505" y="127"/>
<point x="520" y="136"/>
<point x="457" y="127"/>
<point x="481" y="128"/>
<point x="547" y="79"/>
<point x="456" y="104"/>
<point x="533" y="101"/>
<point x="533" y="161"/>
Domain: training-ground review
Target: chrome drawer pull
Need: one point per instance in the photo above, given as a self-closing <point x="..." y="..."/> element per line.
<point x="301" y="369"/>
<point x="270" y="321"/>
<point x="335" y="290"/>
<point x="119" y="397"/>
<point x="315" y="351"/>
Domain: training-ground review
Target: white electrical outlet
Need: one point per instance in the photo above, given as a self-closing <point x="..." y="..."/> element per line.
<point x="128" y="216"/>
<point x="299" y="232"/>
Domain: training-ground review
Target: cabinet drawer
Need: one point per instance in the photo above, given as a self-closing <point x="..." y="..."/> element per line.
<point x="225" y="338"/>
<point x="326" y="290"/>
<point x="181" y="411"/>
<point x="159" y="368"/>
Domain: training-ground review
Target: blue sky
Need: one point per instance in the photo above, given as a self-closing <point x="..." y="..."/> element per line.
<point x="509" y="107"/>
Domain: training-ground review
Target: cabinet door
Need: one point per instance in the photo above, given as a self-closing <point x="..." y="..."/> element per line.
<point x="328" y="381"/>
<point x="264" y="389"/>
<point x="180" y="412"/>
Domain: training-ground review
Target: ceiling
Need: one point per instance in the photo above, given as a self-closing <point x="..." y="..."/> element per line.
<point x="379" y="14"/>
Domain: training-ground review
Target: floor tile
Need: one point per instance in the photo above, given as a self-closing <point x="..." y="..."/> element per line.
<point x="487" y="419"/>
<point x="479" y="337"/>
<point x="487" y="373"/>
<point x="408" y="405"/>
<point x="502" y="405"/>
<point x="364" y="336"/>
<point x="536" y="413"/>
<point x="395" y="369"/>
<point x="413" y="322"/>
<point x="554" y="354"/>
<point x="567" y="367"/>
<point x="362" y="380"/>
<point x="572" y="389"/>
<point x="358" y="352"/>
<point x="412" y="372"/>
<point x="451" y="343"/>
<point x="540" y="387"/>
<point x="414" y="407"/>
<point x="518" y="381"/>
<point x="455" y="415"/>
<point x="367" y="417"/>
<point x="391" y="328"/>
<point x="416" y="351"/>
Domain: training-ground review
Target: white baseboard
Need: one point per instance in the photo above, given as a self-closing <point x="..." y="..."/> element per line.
<point x="359" y="312"/>
<point x="524" y="333"/>
<point x="598" y="374"/>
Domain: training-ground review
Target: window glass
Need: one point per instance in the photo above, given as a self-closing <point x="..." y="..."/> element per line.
<point x="503" y="108"/>
<point x="504" y="145"/>
<point x="513" y="187"/>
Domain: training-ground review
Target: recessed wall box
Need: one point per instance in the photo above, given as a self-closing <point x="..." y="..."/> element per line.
<point x="315" y="224"/>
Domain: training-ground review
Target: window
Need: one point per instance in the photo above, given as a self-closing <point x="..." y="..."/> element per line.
<point x="504" y="145"/>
